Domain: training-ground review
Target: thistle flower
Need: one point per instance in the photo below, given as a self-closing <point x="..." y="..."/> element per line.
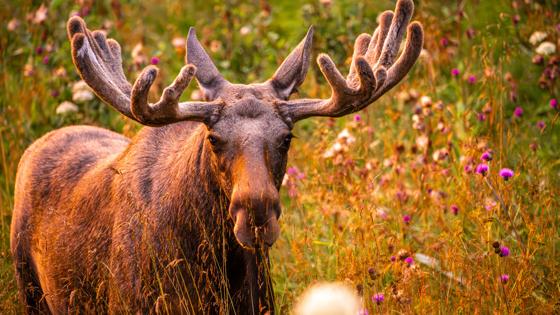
<point x="541" y="124"/>
<point x="406" y="218"/>
<point x="504" y="251"/>
<point x="506" y="173"/>
<point x="482" y="169"/>
<point x="154" y="60"/>
<point x="504" y="278"/>
<point x="378" y="298"/>
<point x="481" y="116"/>
<point x="393" y="258"/>
<point x="518" y="112"/>
<point x="357" y="118"/>
<point x="455" y="72"/>
<point x="454" y="209"/>
<point x="486" y="156"/>
<point x="471" y="79"/>
<point x="554" y="103"/>
<point x="409" y="260"/>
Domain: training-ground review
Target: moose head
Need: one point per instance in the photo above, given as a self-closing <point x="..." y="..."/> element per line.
<point x="248" y="126"/>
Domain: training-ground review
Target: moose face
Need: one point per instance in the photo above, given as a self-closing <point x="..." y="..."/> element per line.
<point x="249" y="145"/>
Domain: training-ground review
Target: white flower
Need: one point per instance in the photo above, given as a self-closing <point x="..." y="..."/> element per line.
<point x="422" y="142"/>
<point x="328" y="299"/>
<point x="346" y="137"/>
<point x="537" y="37"/>
<point x="66" y="107"/>
<point x="245" y="30"/>
<point x="546" y="48"/>
<point x="426" y="101"/>
<point x="81" y="92"/>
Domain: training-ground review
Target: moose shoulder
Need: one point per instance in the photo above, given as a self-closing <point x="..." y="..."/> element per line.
<point x="180" y="218"/>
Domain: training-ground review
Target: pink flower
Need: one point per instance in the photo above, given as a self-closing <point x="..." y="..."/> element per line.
<point x="506" y="173"/>
<point x="482" y="169"/>
<point x="553" y="103"/>
<point x="518" y="112"/>
<point x="541" y="124"/>
<point x="455" y="72"/>
<point x="504" y="278"/>
<point x="409" y="260"/>
<point x="504" y="251"/>
<point x="406" y="218"/>
<point x="357" y="118"/>
<point x="154" y="60"/>
<point x="486" y="156"/>
<point x="378" y="298"/>
<point x="471" y="79"/>
<point x="454" y="209"/>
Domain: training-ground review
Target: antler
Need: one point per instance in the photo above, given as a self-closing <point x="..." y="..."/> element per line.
<point x="99" y="63"/>
<point x="372" y="72"/>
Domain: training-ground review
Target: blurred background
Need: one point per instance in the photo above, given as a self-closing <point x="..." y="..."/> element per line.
<point x="393" y="201"/>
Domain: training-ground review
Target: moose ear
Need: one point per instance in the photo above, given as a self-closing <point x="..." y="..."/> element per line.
<point x="292" y="71"/>
<point x="207" y="75"/>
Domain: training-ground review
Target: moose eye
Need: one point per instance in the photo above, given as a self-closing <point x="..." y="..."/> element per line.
<point x="286" y="142"/>
<point x="213" y="140"/>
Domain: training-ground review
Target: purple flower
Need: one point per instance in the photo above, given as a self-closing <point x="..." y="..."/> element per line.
<point x="486" y="156"/>
<point x="518" y="112"/>
<point x="46" y="60"/>
<point x="455" y="72"/>
<point x="481" y="116"/>
<point x="541" y="124"/>
<point x="444" y="41"/>
<point x="393" y="258"/>
<point x="378" y="298"/>
<point x="154" y="60"/>
<point x="357" y="118"/>
<point x="553" y="103"/>
<point x="504" y="251"/>
<point x="406" y="218"/>
<point x="506" y="173"/>
<point x="454" y="209"/>
<point x="471" y="79"/>
<point x="409" y="260"/>
<point x="482" y="169"/>
<point x="504" y="278"/>
<point x="468" y="168"/>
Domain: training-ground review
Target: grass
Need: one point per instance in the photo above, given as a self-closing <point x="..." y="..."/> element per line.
<point x="343" y="215"/>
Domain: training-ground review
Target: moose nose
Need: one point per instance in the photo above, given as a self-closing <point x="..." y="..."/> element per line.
<point x="256" y="220"/>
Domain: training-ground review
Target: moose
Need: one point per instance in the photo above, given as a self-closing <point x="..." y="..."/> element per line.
<point x="180" y="218"/>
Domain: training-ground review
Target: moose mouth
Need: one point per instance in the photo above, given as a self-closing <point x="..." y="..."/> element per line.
<point x="251" y="233"/>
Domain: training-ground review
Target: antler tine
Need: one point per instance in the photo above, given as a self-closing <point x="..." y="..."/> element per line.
<point x="99" y="63"/>
<point x="373" y="70"/>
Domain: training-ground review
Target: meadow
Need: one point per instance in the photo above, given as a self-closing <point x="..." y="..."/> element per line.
<point x="441" y="197"/>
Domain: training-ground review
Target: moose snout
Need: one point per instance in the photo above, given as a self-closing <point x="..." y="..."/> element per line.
<point x="256" y="219"/>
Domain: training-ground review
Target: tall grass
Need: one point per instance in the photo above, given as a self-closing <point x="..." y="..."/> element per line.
<point x="401" y="181"/>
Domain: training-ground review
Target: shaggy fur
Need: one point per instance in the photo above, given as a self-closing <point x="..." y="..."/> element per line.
<point x="178" y="219"/>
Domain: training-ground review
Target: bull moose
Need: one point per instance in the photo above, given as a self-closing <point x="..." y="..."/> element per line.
<point x="180" y="218"/>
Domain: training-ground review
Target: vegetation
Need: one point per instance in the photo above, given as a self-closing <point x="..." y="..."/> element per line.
<point x="442" y="197"/>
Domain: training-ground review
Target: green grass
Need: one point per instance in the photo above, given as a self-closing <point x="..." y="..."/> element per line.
<point x="344" y="219"/>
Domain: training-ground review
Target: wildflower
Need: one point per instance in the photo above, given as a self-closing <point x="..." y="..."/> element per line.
<point x="444" y="42"/>
<point x="546" y="48"/>
<point x="406" y="218"/>
<point x="482" y="169"/>
<point x="245" y="30"/>
<point x="46" y="60"/>
<point x="489" y="204"/>
<point x="468" y="168"/>
<point x="81" y="92"/>
<point x="518" y="112"/>
<point x="137" y="54"/>
<point x="515" y="19"/>
<point x="393" y="258"/>
<point x="471" y="33"/>
<point x="154" y="60"/>
<point x="426" y="101"/>
<point x="553" y="103"/>
<point x="455" y="72"/>
<point x="363" y="311"/>
<point x="409" y="260"/>
<point x="13" y="25"/>
<point x="504" y="251"/>
<point x="40" y="15"/>
<point x="481" y="116"/>
<point x="378" y="298"/>
<point x="454" y="209"/>
<point x="537" y="59"/>
<point x="486" y="156"/>
<point x="504" y="278"/>
<point x="66" y="107"/>
<point x="28" y="70"/>
<point x="179" y="43"/>
<point x="471" y="79"/>
<point x="537" y="37"/>
<point x="541" y="124"/>
<point x="328" y="298"/>
<point x="357" y="118"/>
<point x="506" y="173"/>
